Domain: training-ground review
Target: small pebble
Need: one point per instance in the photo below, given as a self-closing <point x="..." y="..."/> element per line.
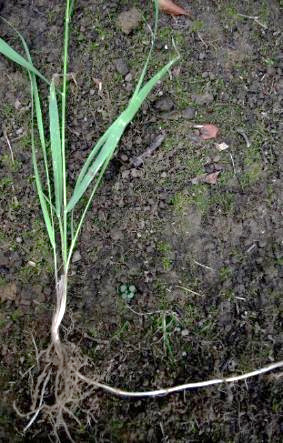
<point x="76" y="257"/>
<point x="121" y="66"/>
<point x="129" y="77"/>
<point x="124" y="158"/>
<point x="164" y="104"/>
<point x="203" y="99"/>
<point x="188" y="113"/>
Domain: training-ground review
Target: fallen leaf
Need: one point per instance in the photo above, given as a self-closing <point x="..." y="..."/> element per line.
<point x="208" y="131"/>
<point x="210" y="179"/>
<point x="171" y="8"/>
<point x="221" y="146"/>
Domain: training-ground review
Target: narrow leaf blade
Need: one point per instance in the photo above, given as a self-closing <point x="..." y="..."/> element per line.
<point x="56" y="152"/>
<point x="45" y="211"/>
<point x="105" y="153"/>
<point x="13" y="55"/>
<point x="42" y="199"/>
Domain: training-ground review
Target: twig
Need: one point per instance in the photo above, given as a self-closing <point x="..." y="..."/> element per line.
<point x="190" y="290"/>
<point x="244" y="135"/>
<point x="144" y="314"/>
<point x="204" y="266"/>
<point x="9" y="145"/>
<point x="202" y="40"/>
<point x="138" y="161"/>
<point x="233" y="163"/>
<point x="255" y="18"/>
<point x="166" y="391"/>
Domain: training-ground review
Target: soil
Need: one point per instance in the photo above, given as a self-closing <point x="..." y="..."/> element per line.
<point x="205" y="259"/>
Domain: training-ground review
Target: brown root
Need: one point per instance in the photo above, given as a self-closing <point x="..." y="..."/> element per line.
<point x="58" y="392"/>
<point x="62" y="385"/>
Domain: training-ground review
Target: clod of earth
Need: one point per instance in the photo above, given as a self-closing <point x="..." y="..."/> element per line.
<point x="129" y="20"/>
<point x="8" y="292"/>
<point x="203" y="99"/>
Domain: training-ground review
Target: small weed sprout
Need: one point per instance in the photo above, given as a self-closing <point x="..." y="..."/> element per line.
<point x="127" y="292"/>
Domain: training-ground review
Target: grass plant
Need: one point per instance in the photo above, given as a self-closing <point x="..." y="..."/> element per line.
<point x="61" y="368"/>
<point x="58" y="208"/>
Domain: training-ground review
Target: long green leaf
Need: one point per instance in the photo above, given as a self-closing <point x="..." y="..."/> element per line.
<point x="115" y="132"/>
<point x="138" y="99"/>
<point x="92" y="155"/>
<point x="56" y="151"/>
<point x="13" y="55"/>
<point x="105" y="153"/>
<point x="143" y="73"/>
<point x="38" y="110"/>
<point x="44" y="201"/>
<point x="101" y="141"/>
<point x="41" y="196"/>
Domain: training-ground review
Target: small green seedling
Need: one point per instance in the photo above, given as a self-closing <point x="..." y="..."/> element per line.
<point x="127" y="292"/>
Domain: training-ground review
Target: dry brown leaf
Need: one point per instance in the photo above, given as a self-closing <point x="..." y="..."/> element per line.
<point x="210" y="179"/>
<point x="171" y="8"/>
<point x="208" y="131"/>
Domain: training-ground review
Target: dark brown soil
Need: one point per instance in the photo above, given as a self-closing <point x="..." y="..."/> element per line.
<point x="205" y="259"/>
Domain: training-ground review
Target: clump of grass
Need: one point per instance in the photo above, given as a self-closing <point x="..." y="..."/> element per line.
<point x="60" y="211"/>
<point x="62" y="369"/>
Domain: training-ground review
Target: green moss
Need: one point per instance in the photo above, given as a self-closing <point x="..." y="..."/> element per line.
<point x="252" y="160"/>
<point x="225" y="273"/>
<point x="197" y="25"/>
<point x="166" y="253"/>
<point x="7" y="111"/>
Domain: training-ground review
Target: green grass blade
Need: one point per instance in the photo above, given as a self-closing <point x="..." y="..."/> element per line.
<point x="115" y="132"/>
<point x="36" y="98"/>
<point x="56" y="149"/>
<point x="92" y="155"/>
<point x="105" y="153"/>
<point x="10" y="53"/>
<point x="137" y="89"/>
<point x="143" y="73"/>
<point x="41" y="196"/>
<point x="138" y="99"/>
<point x="78" y="228"/>
<point x="42" y="199"/>
<point x="38" y="111"/>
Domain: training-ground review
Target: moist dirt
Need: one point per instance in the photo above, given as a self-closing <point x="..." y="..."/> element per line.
<point x="174" y="279"/>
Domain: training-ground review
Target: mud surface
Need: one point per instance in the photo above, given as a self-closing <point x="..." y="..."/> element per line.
<point x="205" y="260"/>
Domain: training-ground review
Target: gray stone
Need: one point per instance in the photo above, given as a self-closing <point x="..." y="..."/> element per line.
<point x="164" y="104"/>
<point x="188" y="113"/>
<point x="121" y="66"/>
